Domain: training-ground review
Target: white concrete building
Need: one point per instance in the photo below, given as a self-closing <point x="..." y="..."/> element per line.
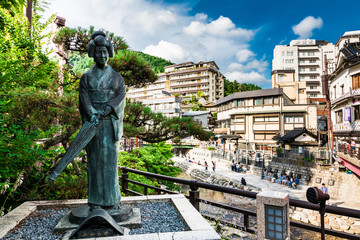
<point x="186" y="79"/>
<point x="307" y="58"/>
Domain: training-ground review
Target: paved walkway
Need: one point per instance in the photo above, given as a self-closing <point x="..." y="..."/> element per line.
<point x="223" y="169"/>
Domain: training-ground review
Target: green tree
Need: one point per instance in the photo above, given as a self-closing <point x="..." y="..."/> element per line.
<point x="194" y="103"/>
<point x="141" y="122"/>
<point x="231" y="87"/>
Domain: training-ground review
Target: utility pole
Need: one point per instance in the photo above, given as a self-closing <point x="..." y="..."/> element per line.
<point x="325" y="86"/>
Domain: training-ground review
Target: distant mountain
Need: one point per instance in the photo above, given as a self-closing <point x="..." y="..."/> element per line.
<point x="156" y="63"/>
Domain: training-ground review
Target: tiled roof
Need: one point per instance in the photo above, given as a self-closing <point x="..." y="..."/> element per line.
<point x="251" y="94"/>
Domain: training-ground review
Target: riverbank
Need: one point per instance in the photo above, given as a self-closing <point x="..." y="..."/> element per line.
<point x="225" y="177"/>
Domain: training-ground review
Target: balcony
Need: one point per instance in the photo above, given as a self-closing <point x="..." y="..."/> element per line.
<point x="307" y="71"/>
<point x="352" y="93"/>
<point x="313" y="89"/>
<point x="315" y="55"/>
<point x="309" y="63"/>
<point x="347" y="127"/>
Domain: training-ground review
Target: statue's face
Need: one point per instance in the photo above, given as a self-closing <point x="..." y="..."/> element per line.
<point x="101" y="55"/>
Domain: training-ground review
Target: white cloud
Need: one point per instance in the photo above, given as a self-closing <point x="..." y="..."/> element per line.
<point x="167" y="50"/>
<point x="244" y="54"/>
<point x="250" y="77"/>
<point x="167" y="30"/>
<point x="306" y="27"/>
<point x="259" y="66"/>
<point x="222" y="27"/>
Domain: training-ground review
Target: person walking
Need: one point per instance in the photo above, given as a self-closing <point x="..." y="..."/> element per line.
<point x="213" y="167"/>
<point x="206" y="166"/>
<point x="324" y="189"/>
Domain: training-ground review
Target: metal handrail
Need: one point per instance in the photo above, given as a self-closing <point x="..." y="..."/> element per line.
<point x="195" y="199"/>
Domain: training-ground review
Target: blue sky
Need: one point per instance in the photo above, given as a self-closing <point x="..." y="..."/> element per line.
<point x="238" y="35"/>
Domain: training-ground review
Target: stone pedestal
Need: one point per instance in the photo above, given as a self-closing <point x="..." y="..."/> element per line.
<point x="272" y="209"/>
<point x="198" y="227"/>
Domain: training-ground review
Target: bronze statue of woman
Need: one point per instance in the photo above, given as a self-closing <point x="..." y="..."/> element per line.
<point x="102" y="102"/>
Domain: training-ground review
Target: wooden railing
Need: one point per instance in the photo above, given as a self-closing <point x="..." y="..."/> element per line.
<point x="195" y="199"/>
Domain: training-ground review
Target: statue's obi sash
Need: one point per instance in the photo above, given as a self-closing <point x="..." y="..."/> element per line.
<point x="100" y="96"/>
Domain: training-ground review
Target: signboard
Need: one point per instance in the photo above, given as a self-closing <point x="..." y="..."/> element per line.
<point x="303" y="42"/>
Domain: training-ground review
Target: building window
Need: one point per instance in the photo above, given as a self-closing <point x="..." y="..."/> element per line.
<point x="313" y="95"/>
<point x="289" y="53"/>
<point x="302" y="69"/>
<point x="313" y="77"/>
<point x="258" y="101"/>
<point x="267" y="100"/>
<point x="312" y="69"/>
<point x="276" y="100"/>
<point x="339" y="116"/>
<point x="311" y="54"/>
<point x="280" y="77"/>
<point x="301" y="91"/>
<point x="294" y="119"/>
<point x="356" y="81"/>
<point x="240" y="103"/>
<point x="357" y="112"/>
<point x="313" y="87"/>
<point x="289" y="60"/>
<point x="312" y="61"/>
<point x="239" y="120"/>
<point x="266" y="119"/>
<point x="295" y="149"/>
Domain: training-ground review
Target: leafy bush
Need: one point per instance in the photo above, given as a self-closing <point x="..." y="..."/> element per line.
<point x="155" y="158"/>
<point x="211" y="148"/>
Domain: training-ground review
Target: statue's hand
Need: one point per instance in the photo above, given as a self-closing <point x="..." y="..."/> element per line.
<point x="107" y="111"/>
<point x="51" y="178"/>
<point x="94" y="119"/>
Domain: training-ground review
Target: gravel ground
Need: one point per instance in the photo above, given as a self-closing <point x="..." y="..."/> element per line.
<point x="156" y="217"/>
<point x="38" y="225"/>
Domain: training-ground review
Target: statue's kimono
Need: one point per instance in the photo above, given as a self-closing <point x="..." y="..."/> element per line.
<point x="103" y="150"/>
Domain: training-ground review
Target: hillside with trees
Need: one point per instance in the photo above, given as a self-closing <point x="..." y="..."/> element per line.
<point x="231" y="87"/>
<point x="156" y="63"/>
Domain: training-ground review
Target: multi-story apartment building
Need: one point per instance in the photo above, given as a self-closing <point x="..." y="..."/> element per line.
<point x="345" y="100"/>
<point x="258" y="116"/>
<point x="186" y="79"/>
<point x="163" y="102"/>
<point x="307" y="59"/>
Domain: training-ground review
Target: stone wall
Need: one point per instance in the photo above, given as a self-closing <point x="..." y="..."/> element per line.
<point x="306" y="172"/>
<point x="332" y="221"/>
<point x="209" y="177"/>
<point x="346" y="187"/>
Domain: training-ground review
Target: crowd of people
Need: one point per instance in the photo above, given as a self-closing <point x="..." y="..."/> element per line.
<point x="284" y="179"/>
<point x="237" y="167"/>
<point x="206" y="165"/>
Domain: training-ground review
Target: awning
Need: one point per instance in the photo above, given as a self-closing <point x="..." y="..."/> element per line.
<point x="350" y="166"/>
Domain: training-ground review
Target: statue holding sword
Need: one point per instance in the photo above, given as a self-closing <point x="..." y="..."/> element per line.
<point x="101" y="104"/>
